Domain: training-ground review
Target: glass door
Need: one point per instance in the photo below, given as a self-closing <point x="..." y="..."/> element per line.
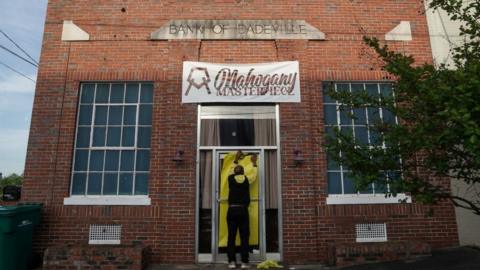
<point x="252" y="163"/>
<point x="222" y="132"/>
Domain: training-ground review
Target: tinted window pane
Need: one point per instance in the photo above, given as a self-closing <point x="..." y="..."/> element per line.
<point x="386" y="90"/>
<point x="81" y="160"/>
<point x="141" y="184"/>
<point x="394" y="175"/>
<point x="118" y="91"/>
<point x="375" y="138"/>
<point x="326" y="88"/>
<point x="368" y="190"/>
<point x="372" y="89"/>
<point x="334" y="183"/>
<point x="143" y="160"/>
<point x="83" y="137"/>
<point x="96" y="160"/>
<point x="94" y="184"/>
<point x="348" y="186"/>
<point x="373" y="115"/>
<point x="113" y="137"/>
<point x="147" y="93"/>
<point x="131" y="95"/>
<point x="126" y="184"/>
<point x="130" y="115"/>
<point x="144" y="137"/>
<point x="111" y="160"/>
<point x="78" y="183"/>
<point x="236" y="132"/>
<point x="127" y="160"/>
<point x="330" y="114"/>
<point x="101" y="115"/>
<point x="330" y="132"/>
<point x="357" y="87"/>
<point x="128" y="138"/>
<point x="360" y="116"/>
<point x="332" y="165"/>
<point x="343" y="87"/>
<point x="145" y="115"/>
<point x="102" y="93"/>
<point x="85" y="115"/>
<point x="388" y="116"/>
<point x="98" y="136"/>
<point x="346" y="130"/>
<point x="361" y="135"/>
<point x="380" y="188"/>
<point x="345" y="118"/>
<point x="110" y="184"/>
<point x="115" y="115"/>
<point x="88" y="91"/>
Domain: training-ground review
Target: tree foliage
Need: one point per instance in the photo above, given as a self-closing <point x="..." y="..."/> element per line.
<point x="438" y="108"/>
<point x="11" y="180"/>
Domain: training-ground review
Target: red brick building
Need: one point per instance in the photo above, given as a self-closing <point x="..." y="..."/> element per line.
<point x="112" y="143"/>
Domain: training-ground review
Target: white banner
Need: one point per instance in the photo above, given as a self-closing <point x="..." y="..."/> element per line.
<point x="266" y="82"/>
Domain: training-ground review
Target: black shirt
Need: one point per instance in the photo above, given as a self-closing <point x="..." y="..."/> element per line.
<point x="239" y="193"/>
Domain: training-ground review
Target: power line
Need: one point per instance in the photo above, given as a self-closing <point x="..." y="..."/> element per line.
<point x="16" y="71"/>
<point x="19" y="56"/>
<point x="18" y="46"/>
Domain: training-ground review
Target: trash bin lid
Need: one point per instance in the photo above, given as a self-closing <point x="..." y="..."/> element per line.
<point x="11" y="210"/>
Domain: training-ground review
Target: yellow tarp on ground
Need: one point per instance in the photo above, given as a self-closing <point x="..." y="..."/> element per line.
<point x="251" y="173"/>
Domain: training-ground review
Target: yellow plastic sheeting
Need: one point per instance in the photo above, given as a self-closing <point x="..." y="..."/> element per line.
<point x="251" y="173"/>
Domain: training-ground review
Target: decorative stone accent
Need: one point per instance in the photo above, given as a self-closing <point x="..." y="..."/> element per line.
<point x="95" y="257"/>
<point x="358" y="253"/>
<point x="71" y="32"/>
<point x="401" y="32"/>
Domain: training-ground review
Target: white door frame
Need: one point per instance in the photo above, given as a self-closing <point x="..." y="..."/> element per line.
<point x="208" y="257"/>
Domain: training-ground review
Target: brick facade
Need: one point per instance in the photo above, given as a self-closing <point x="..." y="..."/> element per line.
<point x="97" y="257"/>
<point x="120" y="50"/>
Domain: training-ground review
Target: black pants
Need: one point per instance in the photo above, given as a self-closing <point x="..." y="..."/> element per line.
<point x="237" y="218"/>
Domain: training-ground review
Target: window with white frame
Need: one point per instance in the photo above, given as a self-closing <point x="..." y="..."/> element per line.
<point x="339" y="116"/>
<point x="112" y="146"/>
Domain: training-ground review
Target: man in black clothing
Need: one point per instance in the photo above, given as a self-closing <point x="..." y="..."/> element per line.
<point x="237" y="215"/>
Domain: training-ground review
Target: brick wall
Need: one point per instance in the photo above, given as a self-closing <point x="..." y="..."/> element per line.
<point x="120" y="49"/>
<point x="350" y="254"/>
<point x="95" y="257"/>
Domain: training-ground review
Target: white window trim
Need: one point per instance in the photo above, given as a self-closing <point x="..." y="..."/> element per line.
<point x="107" y="200"/>
<point x="333" y="199"/>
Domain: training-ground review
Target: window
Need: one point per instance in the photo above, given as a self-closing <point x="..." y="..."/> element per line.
<point x="340" y="185"/>
<point x="112" y="146"/>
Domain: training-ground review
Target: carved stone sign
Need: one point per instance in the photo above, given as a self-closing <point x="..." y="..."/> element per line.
<point x="237" y="29"/>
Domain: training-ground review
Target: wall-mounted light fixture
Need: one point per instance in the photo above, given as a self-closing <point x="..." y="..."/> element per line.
<point x="298" y="159"/>
<point x="178" y="156"/>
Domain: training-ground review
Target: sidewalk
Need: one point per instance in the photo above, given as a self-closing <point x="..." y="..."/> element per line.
<point x="462" y="258"/>
<point x="224" y="267"/>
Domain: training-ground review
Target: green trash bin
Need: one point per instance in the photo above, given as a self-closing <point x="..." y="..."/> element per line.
<point x="16" y="233"/>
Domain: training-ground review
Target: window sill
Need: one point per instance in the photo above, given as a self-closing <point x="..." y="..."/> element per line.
<point x="107" y="200"/>
<point x="367" y="199"/>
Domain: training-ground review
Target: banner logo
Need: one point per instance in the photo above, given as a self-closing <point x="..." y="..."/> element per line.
<point x="204" y="78"/>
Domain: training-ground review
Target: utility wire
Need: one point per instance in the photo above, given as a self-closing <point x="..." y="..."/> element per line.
<point x="19" y="56"/>
<point x="16" y="71"/>
<point x="18" y="46"/>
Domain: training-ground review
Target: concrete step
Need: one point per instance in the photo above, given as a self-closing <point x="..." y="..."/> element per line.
<point x="222" y="266"/>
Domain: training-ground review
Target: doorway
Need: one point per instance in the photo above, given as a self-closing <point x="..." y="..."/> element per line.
<point x="223" y="131"/>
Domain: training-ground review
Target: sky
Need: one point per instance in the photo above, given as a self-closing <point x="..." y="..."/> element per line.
<point x="22" y="21"/>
